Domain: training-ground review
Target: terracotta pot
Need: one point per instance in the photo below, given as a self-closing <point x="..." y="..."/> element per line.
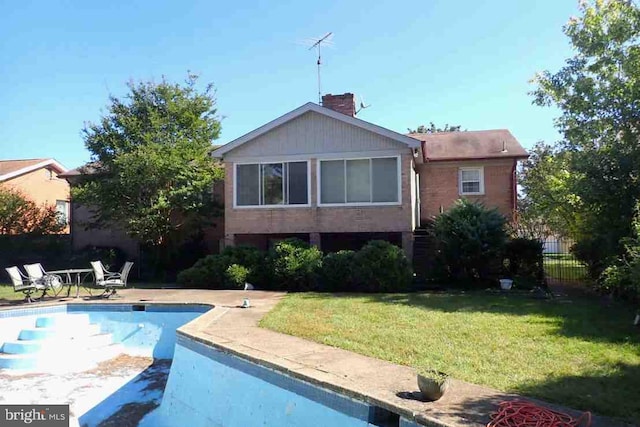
<point x="432" y="389"/>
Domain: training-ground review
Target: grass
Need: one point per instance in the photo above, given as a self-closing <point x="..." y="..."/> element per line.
<point x="8" y="295"/>
<point x="577" y="353"/>
<point x="564" y="267"/>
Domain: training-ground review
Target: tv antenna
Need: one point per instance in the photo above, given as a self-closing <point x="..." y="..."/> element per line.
<point x="318" y="43"/>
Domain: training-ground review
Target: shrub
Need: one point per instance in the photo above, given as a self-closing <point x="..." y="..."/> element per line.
<point x="592" y="252"/>
<point x="524" y="262"/>
<point x="381" y="267"/>
<point x="339" y="271"/>
<point x="211" y="272"/>
<point x="471" y="240"/>
<point x="295" y="265"/>
<point x="112" y="257"/>
<point x="236" y="275"/>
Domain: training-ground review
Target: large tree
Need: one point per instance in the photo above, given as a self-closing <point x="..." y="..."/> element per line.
<point x="20" y="215"/>
<point x="151" y="154"/>
<point x="598" y="94"/>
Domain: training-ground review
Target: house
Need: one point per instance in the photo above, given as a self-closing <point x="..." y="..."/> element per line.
<point x="39" y="180"/>
<point x="83" y="234"/>
<point x="327" y="177"/>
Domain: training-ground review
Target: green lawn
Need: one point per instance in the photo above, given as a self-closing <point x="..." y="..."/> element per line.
<point x="577" y="353"/>
<point x="564" y="267"/>
<point x="7" y="293"/>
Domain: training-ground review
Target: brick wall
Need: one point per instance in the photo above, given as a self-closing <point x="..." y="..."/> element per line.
<point x="316" y="219"/>
<point x="439" y="186"/>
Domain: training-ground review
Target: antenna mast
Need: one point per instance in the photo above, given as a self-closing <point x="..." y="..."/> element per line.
<point x="317" y="44"/>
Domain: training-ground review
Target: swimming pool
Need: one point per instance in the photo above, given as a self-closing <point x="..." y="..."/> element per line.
<point x="202" y="384"/>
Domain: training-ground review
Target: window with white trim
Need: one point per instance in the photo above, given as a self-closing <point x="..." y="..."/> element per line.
<point x="471" y="181"/>
<point x="272" y="184"/>
<point x="359" y="181"/>
<point x="62" y="207"/>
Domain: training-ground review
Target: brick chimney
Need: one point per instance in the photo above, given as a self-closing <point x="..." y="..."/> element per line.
<point x="344" y="103"/>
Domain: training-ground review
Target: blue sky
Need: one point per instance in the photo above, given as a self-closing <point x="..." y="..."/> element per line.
<point x="458" y="62"/>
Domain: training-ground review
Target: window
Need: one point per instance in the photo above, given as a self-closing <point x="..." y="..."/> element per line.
<point x="471" y="180"/>
<point x="359" y="181"/>
<point x="62" y="207"/>
<point x="272" y="184"/>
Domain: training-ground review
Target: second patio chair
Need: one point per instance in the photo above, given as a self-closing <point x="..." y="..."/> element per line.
<point x="37" y="275"/>
<point x="110" y="280"/>
<point x="21" y="283"/>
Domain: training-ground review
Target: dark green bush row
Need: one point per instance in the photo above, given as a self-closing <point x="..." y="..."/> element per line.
<point x="295" y="266"/>
<point x="216" y="271"/>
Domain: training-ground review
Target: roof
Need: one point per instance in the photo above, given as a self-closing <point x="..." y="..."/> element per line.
<point x="468" y="145"/>
<point x="12" y="168"/>
<point x="310" y="106"/>
<point x="87" y="169"/>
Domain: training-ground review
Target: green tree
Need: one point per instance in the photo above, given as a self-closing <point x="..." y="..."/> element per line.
<point x="598" y="94"/>
<point x="547" y="204"/>
<point x="151" y="151"/>
<point x="432" y="128"/>
<point x="19" y="215"/>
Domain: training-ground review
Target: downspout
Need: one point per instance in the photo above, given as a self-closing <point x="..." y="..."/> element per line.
<point x="514" y="190"/>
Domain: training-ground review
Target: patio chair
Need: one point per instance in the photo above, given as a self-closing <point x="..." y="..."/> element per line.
<point x="21" y="283"/>
<point x="38" y="275"/>
<point x="110" y="280"/>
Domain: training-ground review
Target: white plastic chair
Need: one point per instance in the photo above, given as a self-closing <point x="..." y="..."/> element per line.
<point x="37" y="275"/>
<point x="110" y="280"/>
<point x="21" y="283"/>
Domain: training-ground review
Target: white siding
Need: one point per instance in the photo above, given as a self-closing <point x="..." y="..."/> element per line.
<point x="314" y="133"/>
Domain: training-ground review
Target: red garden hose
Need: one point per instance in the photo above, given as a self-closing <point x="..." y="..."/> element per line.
<point x="519" y="413"/>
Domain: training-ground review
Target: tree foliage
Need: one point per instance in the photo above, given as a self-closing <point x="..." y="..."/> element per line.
<point x="432" y="128"/>
<point x="549" y="205"/>
<point x="153" y="172"/>
<point x="20" y="215"/>
<point x="598" y="94"/>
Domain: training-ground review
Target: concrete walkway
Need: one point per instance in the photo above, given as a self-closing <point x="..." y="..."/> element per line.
<point x="393" y="387"/>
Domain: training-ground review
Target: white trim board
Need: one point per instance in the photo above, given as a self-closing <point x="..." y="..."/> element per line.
<point x="27" y="169"/>
<point x="310" y="106"/>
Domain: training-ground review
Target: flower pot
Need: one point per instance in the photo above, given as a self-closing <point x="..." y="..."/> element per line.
<point x="433" y="387"/>
<point x="505" y="284"/>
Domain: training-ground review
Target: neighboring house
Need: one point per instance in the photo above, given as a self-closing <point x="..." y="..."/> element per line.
<point x="40" y="181"/>
<point x="82" y="235"/>
<point x="320" y="174"/>
<point x="113" y="235"/>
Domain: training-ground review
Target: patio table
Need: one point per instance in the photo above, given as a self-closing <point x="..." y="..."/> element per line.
<point x="79" y="278"/>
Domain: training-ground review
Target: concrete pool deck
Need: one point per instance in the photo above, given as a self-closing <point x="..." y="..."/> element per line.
<point x="232" y="329"/>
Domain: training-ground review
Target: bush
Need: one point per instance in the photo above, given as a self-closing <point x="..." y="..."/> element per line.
<point x="210" y="272"/>
<point x="295" y="265"/>
<point x="471" y="240"/>
<point x="381" y="267"/>
<point x="592" y="252"/>
<point x="524" y="262"/>
<point x="236" y="275"/>
<point x="112" y="258"/>
<point x="339" y="272"/>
